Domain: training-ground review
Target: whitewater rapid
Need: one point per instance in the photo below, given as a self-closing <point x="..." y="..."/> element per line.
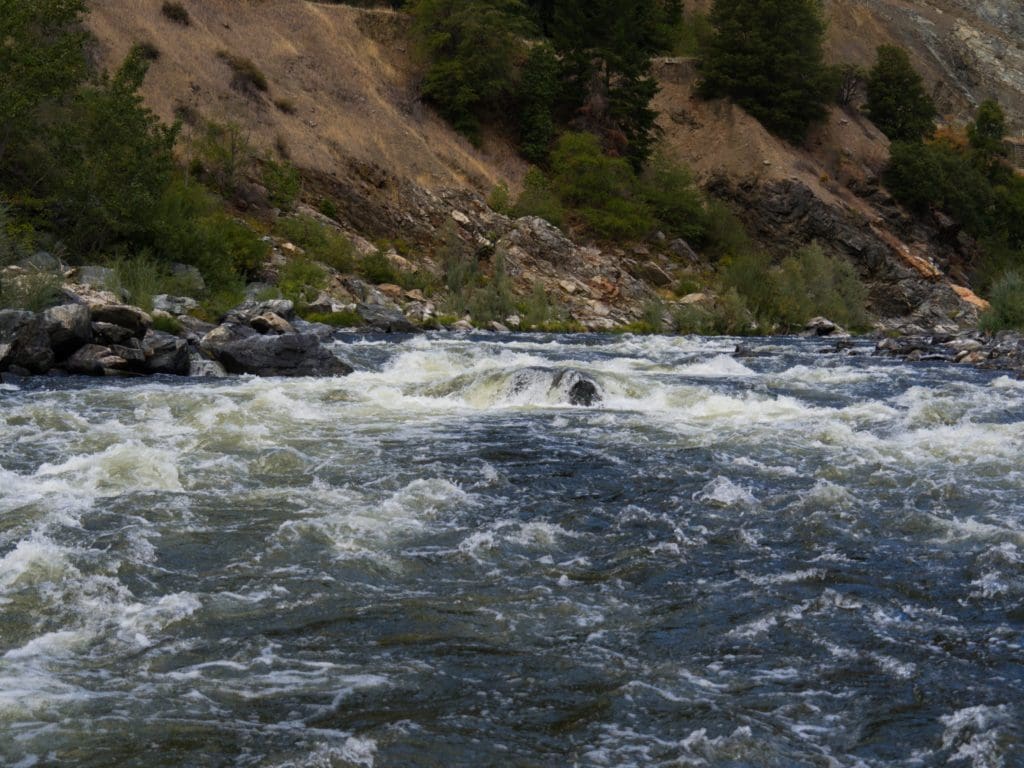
<point x="777" y="558"/>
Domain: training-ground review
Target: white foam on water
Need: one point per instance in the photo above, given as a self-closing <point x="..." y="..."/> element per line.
<point x="35" y="560"/>
<point x="535" y="534"/>
<point x="974" y="733"/>
<point x="723" y="492"/>
<point x="127" y="467"/>
<point x="359" y="525"/>
<point x="719" y="367"/>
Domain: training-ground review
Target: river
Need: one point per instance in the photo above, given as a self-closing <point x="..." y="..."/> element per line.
<point x="781" y="559"/>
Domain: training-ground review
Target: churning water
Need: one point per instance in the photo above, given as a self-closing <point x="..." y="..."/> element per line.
<point x="780" y="559"/>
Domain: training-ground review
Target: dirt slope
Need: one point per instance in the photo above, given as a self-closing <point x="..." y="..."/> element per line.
<point x="347" y="72"/>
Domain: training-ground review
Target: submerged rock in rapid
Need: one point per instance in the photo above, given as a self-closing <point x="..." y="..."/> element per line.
<point x="564" y="385"/>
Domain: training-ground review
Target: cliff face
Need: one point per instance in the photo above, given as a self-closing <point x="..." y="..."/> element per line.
<point x="968" y="51"/>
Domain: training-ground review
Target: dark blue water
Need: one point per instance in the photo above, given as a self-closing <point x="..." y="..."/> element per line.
<point x="777" y="559"/>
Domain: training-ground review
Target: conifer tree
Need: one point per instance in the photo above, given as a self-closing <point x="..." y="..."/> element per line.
<point x="766" y="55"/>
<point x="897" y="101"/>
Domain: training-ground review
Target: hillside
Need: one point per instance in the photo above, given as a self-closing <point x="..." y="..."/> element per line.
<point x="353" y="123"/>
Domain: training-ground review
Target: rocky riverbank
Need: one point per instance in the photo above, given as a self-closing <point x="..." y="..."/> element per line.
<point x="999" y="351"/>
<point x="102" y="338"/>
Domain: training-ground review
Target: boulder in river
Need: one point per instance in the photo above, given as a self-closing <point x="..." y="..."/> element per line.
<point x="290" y="354"/>
<point x="165" y="353"/>
<point x="386" y="319"/>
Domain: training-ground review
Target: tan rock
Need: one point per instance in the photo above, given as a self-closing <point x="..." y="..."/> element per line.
<point x="392" y="291"/>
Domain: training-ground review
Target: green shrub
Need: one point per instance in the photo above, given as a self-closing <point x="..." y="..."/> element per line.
<point x="499" y="200"/>
<point x="1007" y="299"/>
<point x="223" y="296"/>
<point x="246" y="76"/>
<point x="539" y="199"/>
<point x="301" y="280"/>
<point x="139" y="278"/>
<point x="810" y="283"/>
<point x="749" y="274"/>
<point x="376" y="268"/>
<point x="537" y="309"/>
<point x="167" y="324"/>
<point x="328" y="208"/>
<point x="320" y="242"/>
<point x="728" y="315"/>
<point x="176" y="12"/>
<point x="147" y="51"/>
<point x="232" y="243"/>
<point x="32" y="290"/>
<point x="724" y="233"/>
<point x="672" y="196"/>
<point x="283" y="183"/>
<point x="224" y="155"/>
<point x="494" y="300"/>
<point x="601" y="189"/>
<point x="287" y="106"/>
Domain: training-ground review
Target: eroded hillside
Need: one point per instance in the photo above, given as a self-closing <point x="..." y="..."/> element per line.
<point x="342" y="104"/>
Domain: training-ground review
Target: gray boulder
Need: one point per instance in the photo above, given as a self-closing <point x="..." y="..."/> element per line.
<point x="270" y="322"/>
<point x="165" y="353"/>
<point x="24" y="342"/>
<point x="132" y="318"/>
<point x="290" y="354"/>
<point x="385" y="319"/>
<point x="202" y="367"/>
<point x="96" y="360"/>
<point x="822" y="326"/>
<point x="174" y="305"/>
<point x="95" y="277"/>
<point x="68" y="327"/>
<point x="108" y="333"/>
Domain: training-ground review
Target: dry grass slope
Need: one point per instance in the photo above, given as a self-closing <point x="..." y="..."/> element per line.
<point x="344" y="73"/>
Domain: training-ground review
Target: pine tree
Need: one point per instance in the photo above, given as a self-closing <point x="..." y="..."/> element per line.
<point x="897" y="101"/>
<point x="766" y="55"/>
<point x="987" y="132"/>
<point x="606" y="48"/>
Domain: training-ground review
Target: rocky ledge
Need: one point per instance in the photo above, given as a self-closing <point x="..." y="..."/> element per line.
<point x="1000" y="351"/>
<point x="102" y="338"/>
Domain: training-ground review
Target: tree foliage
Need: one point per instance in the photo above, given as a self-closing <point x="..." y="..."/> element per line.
<point x="41" y="58"/>
<point x="113" y="158"/>
<point x="470" y="48"/>
<point x="897" y="101"/>
<point x="766" y="55"/>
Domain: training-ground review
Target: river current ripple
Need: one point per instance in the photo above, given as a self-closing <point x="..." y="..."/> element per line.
<point x="780" y="559"/>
